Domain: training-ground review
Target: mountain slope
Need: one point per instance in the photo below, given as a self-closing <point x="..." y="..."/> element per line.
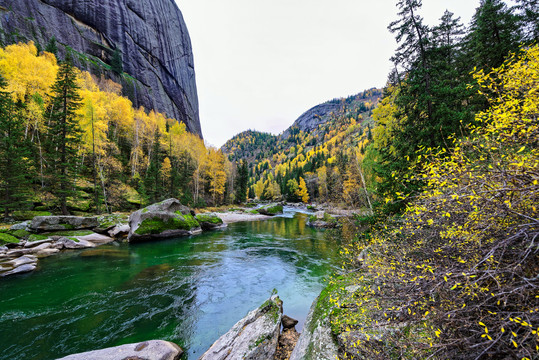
<point x="151" y="35"/>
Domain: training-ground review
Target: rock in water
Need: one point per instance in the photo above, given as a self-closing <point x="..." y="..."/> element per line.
<point x="210" y="221"/>
<point x="150" y="35"/>
<point x="166" y="219"/>
<point x="151" y="350"/>
<point x="252" y="338"/>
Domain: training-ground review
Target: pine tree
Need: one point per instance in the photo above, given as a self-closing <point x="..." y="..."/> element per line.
<point x="52" y="47"/>
<point x="241" y="182"/>
<point x="494" y="32"/>
<point x="64" y="135"/>
<point x="529" y="18"/>
<point x="14" y="154"/>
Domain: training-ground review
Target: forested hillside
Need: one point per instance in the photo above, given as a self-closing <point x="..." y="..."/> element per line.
<point x="320" y="150"/>
<point x="71" y="143"/>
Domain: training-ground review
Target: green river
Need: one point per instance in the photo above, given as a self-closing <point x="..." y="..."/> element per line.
<point x="187" y="290"/>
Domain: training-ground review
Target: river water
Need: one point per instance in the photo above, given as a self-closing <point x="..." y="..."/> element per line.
<point x="188" y="290"/>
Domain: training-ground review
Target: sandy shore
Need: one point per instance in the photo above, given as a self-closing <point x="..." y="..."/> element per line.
<point x="231" y="217"/>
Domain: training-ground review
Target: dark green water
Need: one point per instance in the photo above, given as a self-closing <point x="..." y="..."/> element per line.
<point x="189" y="290"/>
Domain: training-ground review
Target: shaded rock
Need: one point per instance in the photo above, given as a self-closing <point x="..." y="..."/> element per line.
<point x="271" y="209"/>
<point x="166" y="219"/>
<point x="31" y="244"/>
<point x="20" y="269"/>
<point x="287" y="342"/>
<point x="46" y="252"/>
<point x="288" y="322"/>
<point x="58" y="223"/>
<point x="22" y="260"/>
<point x="3" y="249"/>
<point x="20" y="226"/>
<point x="110" y="221"/>
<point x="120" y="231"/>
<point x="18" y="252"/>
<point x="254" y="337"/>
<point x="210" y="221"/>
<point x="150" y="35"/>
<point x="150" y="350"/>
<point x="316" y="341"/>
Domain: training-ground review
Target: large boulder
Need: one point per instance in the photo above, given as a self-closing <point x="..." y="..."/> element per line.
<point x="151" y="350"/>
<point x="166" y="219"/>
<point x="271" y="209"/>
<point x="254" y="337"/>
<point x="210" y="221"/>
<point x="59" y="223"/>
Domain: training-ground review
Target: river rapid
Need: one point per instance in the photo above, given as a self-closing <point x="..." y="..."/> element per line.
<point x="187" y="290"/>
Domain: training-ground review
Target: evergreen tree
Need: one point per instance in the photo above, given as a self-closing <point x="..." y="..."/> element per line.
<point x="52" y="47"/>
<point x="64" y="135"/>
<point x="241" y="182"/>
<point x="116" y="62"/>
<point x="494" y="32"/>
<point x="529" y="17"/>
<point x="14" y="154"/>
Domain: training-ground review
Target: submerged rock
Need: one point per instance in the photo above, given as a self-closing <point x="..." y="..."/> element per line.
<point x="150" y="350"/>
<point x="166" y="219"/>
<point x="20" y="270"/>
<point x="254" y="337"/>
<point x="58" y="223"/>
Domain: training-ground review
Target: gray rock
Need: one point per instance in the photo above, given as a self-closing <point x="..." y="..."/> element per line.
<point x="20" y="226"/>
<point x="120" y="231"/>
<point x="46" y="252"/>
<point x="30" y="244"/>
<point x="3" y="249"/>
<point x="40" y="247"/>
<point x="96" y="239"/>
<point x="316" y="341"/>
<point x="312" y="118"/>
<point x="150" y="34"/>
<point x="166" y="219"/>
<point x="22" y="260"/>
<point x="58" y="223"/>
<point x="20" y="269"/>
<point x="254" y="337"/>
<point x="148" y="350"/>
<point x="70" y="244"/>
<point x="18" y="252"/>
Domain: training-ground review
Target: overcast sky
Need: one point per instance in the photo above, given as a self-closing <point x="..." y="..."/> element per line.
<point x="261" y="64"/>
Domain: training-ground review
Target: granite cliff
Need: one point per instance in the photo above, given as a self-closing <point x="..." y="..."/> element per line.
<point x="150" y="35"/>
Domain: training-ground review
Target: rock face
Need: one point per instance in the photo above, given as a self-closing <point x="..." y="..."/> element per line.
<point x="254" y="337"/>
<point x="57" y="223"/>
<point x="313" y="117"/>
<point x="166" y="219"/>
<point x="151" y="35"/>
<point x="154" y="350"/>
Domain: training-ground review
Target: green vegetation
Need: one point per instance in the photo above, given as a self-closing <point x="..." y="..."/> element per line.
<point x="7" y="239"/>
<point x="271" y="209"/>
<point x="70" y="233"/>
<point x="21" y="215"/>
<point x="212" y="219"/>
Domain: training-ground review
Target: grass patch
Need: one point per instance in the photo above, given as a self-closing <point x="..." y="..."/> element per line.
<point x="69" y="233"/>
<point x="8" y="239"/>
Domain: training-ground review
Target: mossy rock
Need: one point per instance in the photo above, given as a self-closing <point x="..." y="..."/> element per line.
<point x="20" y="234"/>
<point x="132" y="196"/>
<point x="37" y="237"/>
<point x="156" y="225"/>
<point x="271" y="210"/>
<point x="82" y="205"/>
<point x="71" y="233"/>
<point x="28" y="215"/>
<point x="108" y="221"/>
<point x="8" y="239"/>
<point x="209" y="218"/>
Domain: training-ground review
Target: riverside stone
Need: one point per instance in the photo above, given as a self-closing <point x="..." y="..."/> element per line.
<point x="210" y="221"/>
<point x="168" y="218"/>
<point x="59" y="223"/>
<point x="254" y="337"/>
<point x="288" y="322"/>
<point x="151" y="36"/>
<point x="46" y="252"/>
<point x="96" y="239"/>
<point x="147" y="350"/>
<point x="20" y="269"/>
<point x="119" y="231"/>
<point x="20" y="226"/>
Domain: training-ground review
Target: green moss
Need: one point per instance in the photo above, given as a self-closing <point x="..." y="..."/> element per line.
<point x="68" y="233"/>
<point x="157" y="225"/>
<point x="252" y="212"/>
<point x="8" y="239"/>
<point x="274" y="210"/>
<point x="212" y="219"/>
<point x="37" y="237"/>
<point x="19" y="233"/>
<point x="29" y="215"/>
